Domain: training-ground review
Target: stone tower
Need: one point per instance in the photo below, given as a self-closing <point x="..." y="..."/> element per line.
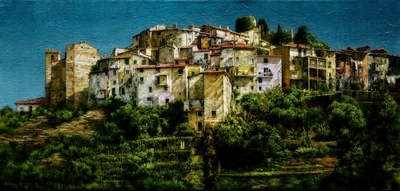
<point x="67" y="80"/>
<point x="51" y="58"/>
<point x="80" y="58"/>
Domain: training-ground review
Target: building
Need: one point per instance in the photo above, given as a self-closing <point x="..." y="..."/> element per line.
<point x="306" y="68"/>
<point x="359" y="68"/>
<point x="29" y="105"/>
<point x="67" y="79"/>
<point x="209" y="97"/>
<point x="269" y="72"/>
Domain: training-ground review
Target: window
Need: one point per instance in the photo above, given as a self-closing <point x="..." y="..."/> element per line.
<point x="165" y="88"/>
<point x="113" y="92"/>
<point x="141" y="70"/>
<point x="265" y="60"/>
<point x="205" y="56"/>
<point x="157" y="79"/>
<point x="167" y="101"/>
<point x="126" y="61"/>
<point x="115" y="82"/>
<point x="126" y="71"/>
<point x="141" y="80"/>
<point x="199" y="126"/>
<point x="114" y="72"/>
<point x="265" y="69"/>
<point x="252" y="87"/>
<point x="259" y="88"/>
<point x="252" y="71"/>
<point x="122" y="81"/>
<point x="252" y="61"/>
<point x="180" y="71"/>
<point x="150" y="89"/>
<point x="193" y="73"/>
<point x="186" y="61"/>
<point x="237" y="60"/>
<point x="299" y="52"/>
<point x="176" y="62"/>
<point x="213" y="113"/>
<point x="123" y="91"/>
<point x="259" y="80"/>
<point x="52" y="58"/>
<point x="143" y="62"/>
<point x="157" y="69"/>
<point x="237" y="87"/>
<point x="199" y="113"/>
<point x="135" y="62"/>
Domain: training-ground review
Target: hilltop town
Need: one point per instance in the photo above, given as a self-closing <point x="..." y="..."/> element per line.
<point x="203" y="66"/>
<point x="205" y="107"/>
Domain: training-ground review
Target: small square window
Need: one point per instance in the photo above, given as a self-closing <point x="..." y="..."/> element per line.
<point x="180" y="71"/>
<point x="126" y="61"/>
<point x="135" y="62"/>
<point x="126" y="71"/>
<point x="141" y="70"/>
<point x="237" y="87"/>
<point x="143" y="62"/>
<point x="165" y="88"/>
<point x="259" y="88"/>
<point x="213" y="113"/>
<point x="252" y="87"/>
<point x="199" y="113"/>
<point x="114" y="72"/>
<point x="157" y="69"/>
<point x="141" y="80"/>
<point x="115" y="82"/>
<point x="265" y="60"/>
<point x="167" y="101"/>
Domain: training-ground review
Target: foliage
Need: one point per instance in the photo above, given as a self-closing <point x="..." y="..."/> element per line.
<point x="280" y="37"/>
<point x="263" y="27"/>
<point x="242" y="145"/>
<point x="276" y="107"/>
<point x="211" y="165"/>
<point x="10" y="120"/>
<point x="369" y="146"/>
<point x="245" y="23"/>
<point x="58" y="116"/>
<point x="140" y="121"/>
<point x="175" y="116"/>
<point x="304" y="37"/>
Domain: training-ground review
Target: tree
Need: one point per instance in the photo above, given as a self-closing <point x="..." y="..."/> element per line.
<point x="369" y="147"/>
<point x="280" y="37"/>
<point x="263" y="27"/>
<point x="245" y="23"/>
<point x="302" y="36"/>
<point x="211" y="166"/>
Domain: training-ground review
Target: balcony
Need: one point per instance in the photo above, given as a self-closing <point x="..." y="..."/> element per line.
<point x="266" y="74"/>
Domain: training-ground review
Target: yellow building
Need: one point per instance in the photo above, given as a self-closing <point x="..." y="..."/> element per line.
<point x="209" y="97"/>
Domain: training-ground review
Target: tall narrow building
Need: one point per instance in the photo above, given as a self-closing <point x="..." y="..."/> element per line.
<point x="67" y="79"/>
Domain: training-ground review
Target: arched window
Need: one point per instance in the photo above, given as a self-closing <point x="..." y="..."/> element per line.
<point x="52" y="57"/>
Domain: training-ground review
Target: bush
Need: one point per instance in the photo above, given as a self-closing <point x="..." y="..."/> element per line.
<point x="305" y="152"/>
<point x="56" y="117"/>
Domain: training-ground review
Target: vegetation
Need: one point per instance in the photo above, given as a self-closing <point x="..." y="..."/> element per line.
<point x="304" y="37"/>
<point x="141" y="147"/>
<point x="280" y="37"/>
<point x="263" y="27"/>
<point x="245" y="23"/>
